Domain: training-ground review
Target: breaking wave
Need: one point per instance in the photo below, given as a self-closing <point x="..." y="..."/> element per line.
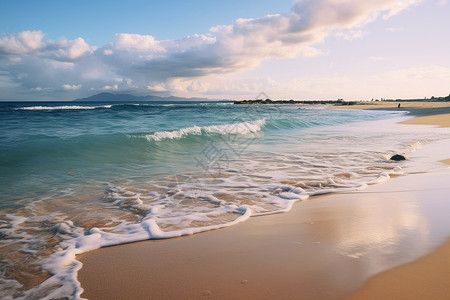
<point x="232" y="128"/>
<point x="62" y="107"/>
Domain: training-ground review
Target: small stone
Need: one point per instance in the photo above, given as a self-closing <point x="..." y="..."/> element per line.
<point x="207" y="293"/>
<point x="244" y="281"/>
<point x="398" y="157"/>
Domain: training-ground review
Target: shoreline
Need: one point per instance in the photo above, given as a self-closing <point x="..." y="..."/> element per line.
<point x="324" y="248"/>
<point x="265" y="256"/>
<point x="416" y="109"/>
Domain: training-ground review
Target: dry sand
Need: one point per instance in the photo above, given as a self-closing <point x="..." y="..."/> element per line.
<point x="392" y="105"/>
<point x="446" y="161"/>
<point x="442" y="120"/>
<point x="325" y="248"/>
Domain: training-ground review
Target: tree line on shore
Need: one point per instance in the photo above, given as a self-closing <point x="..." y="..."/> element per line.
<point x="336" y="102"/>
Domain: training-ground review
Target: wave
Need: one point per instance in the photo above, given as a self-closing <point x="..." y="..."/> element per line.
<point x="173" y="206"/>
<point x="63" y="107"/>
<point x="141" y="105"/>
<point x="75" y="240"/>
<point x="231" y="128"/>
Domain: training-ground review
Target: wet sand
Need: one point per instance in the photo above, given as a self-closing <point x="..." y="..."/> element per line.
<point x="426" y="278"/>
<point x="325" y="248"/>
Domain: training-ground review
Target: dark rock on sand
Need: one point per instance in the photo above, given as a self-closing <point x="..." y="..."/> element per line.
<point x="398" y="157"/>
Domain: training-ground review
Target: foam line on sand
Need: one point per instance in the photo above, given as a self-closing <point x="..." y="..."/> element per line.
<point x="324" y="248"/>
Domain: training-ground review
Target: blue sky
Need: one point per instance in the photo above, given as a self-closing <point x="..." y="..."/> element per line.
<point x="307" y="49"/>
<point x="98" y="21"/>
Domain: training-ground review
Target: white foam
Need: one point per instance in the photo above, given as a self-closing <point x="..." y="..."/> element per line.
<point x="233" y="128"/>
<point x="64" y="266"/>
<point x="248" y="194"/>
<point x="63" y="107"/>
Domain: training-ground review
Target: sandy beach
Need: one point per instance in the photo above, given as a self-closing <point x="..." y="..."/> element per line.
<point x="404" y="105"/>
<point x="388" y="241"/>
<point x="291" y="149"/>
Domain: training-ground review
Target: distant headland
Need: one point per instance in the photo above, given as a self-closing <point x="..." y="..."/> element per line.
<point x="110" y="97"/>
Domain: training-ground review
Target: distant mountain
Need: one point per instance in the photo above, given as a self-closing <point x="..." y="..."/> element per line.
<point x="110" y="97"/>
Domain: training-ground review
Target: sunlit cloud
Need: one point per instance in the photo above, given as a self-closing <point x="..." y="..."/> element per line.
<point x="71" y="87"/>
<point x="149" y="64"/>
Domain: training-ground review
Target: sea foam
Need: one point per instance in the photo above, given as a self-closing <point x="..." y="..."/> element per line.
<point x="232" y="128"/>
<point x="62" y="107"/>
<point x="275" y="172"/>
<point x="64" y="266"/>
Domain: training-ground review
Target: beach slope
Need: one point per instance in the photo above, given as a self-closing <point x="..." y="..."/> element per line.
<point x="324" y="248"/>
<point x="327" y="247"/>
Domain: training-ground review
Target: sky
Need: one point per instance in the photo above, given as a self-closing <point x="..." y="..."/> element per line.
<point x="302" y="50"/>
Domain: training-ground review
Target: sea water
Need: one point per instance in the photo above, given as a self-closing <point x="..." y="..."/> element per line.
<point x="78" y="176"/>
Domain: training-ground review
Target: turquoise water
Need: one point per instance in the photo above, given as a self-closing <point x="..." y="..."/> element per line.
<point x="47" y="149"/>
<point x="78" y="176"/>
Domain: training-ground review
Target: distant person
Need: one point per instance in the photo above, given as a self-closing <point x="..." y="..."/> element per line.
<point x="398" y="105"/>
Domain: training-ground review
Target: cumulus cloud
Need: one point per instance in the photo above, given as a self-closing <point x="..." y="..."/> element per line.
<point x="152" y="64"/>
<point x="25" y="42"/>
<point x="114" y="87"/>
<point x="31" y="43"/>
<point x="157" y="87"/>
<point x="72" y="50"/>
<point x="247" y="42"/>
<point x="137" y="43"/>
<point x="71" y="87"/>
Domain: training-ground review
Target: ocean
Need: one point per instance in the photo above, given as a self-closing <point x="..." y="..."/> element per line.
<point x="77" y="176"/>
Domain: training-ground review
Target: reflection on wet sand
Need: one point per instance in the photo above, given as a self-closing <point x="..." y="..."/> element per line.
<point x="325" y="247"/>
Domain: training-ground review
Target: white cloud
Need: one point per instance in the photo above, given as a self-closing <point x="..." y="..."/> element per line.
<point x="22" y="43"/>
<point x="32" y="43"/>
<point x="72" y="50"/>
<point x="137" y="43"/>
<point x="376" y="58"/>
<point x="114" y="87"/>
<point x="398" y="6"/>
<point x="61" y="64"/>
<point x="247" y="42"/>
<point x="157" y="87"/>
<point x="73" y="87"/>
<point x="174" y="65"/>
